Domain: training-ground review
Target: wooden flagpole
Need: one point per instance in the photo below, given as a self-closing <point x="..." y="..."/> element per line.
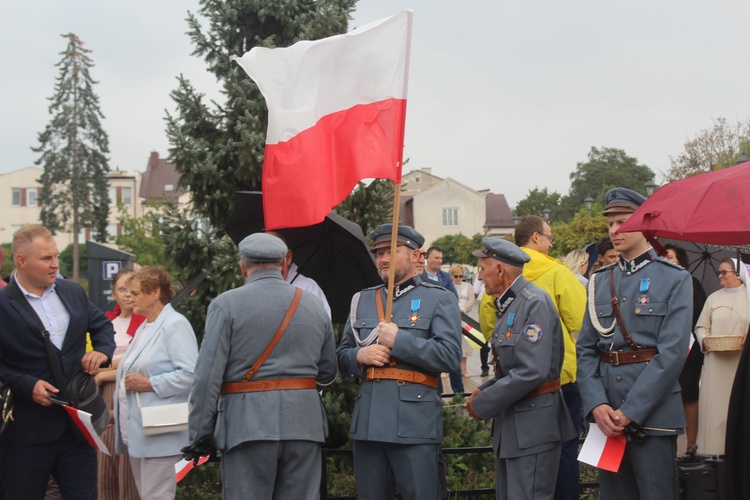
<point x="394" y="241"/>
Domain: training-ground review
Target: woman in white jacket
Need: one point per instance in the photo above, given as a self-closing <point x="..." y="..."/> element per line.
<point x="157" y="369"/>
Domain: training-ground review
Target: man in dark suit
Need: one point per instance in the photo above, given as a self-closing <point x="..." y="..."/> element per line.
<point x="41" y="441"/>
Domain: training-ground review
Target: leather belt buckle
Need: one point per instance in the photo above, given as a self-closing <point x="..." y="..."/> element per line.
<point x="370" y="373"/>
<point x="614" y="361"/>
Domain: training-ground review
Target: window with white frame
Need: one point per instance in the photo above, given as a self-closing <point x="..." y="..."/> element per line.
<point x="127" y="196"/>
<point x="31" y="196"/>
<point x="112" y="193"/>
<point x="450" y="216"/>
<point x="16" y="196"/>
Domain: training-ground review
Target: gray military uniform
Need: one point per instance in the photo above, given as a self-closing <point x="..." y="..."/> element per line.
<point x="528" y="432"/>
<point x="270" y="440"/>
<point x="656" y="304"/>
<point x="402" y="416"/>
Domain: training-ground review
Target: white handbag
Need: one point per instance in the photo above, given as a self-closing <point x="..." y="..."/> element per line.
<point x="161" y="419"/>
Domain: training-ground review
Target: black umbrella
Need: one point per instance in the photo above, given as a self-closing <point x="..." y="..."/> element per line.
<point x="333" y="252"/>
<point x="704" y="260"/>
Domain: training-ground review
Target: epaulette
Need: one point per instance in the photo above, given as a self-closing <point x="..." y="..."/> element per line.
<point x="604" y="268"/>
<point x="668" y="262"/>
<point x="429" y="284"/>
<point x="374" y="287"/>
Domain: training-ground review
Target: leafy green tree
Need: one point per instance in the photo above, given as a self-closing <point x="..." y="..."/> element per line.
<point x="73" y="149"/>
<point x="457" y="248"/>
<point x="606" y="168"/>
<point x="67" y="262"/>
<point x="369" y="204"/>
<point x="585" y="228"/>
<point x="713" y="148"/>
<point x="537" y="201"/>
<point x="8" y="265"/>
<point x="140" y="236"/>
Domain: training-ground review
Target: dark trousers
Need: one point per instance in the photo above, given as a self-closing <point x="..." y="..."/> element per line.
<point x="484" y="357"/>
<point x="457" y="381"/>
<point x="25" y="470"/>
<point x="568" y="474"/>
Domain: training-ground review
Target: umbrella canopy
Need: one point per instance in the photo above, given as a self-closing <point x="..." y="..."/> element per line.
<point x="333" y="252"/>
<point x="709" y="208"/>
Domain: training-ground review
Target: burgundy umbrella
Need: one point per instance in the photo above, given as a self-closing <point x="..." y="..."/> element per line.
<point x="711" y="208"/>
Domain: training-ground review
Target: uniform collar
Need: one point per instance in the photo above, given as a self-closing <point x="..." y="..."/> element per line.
<point x="631" y="266"/>
<point x="406" y="286"/>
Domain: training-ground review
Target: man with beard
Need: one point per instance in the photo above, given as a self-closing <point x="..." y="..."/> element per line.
<point x="397" y="422"/>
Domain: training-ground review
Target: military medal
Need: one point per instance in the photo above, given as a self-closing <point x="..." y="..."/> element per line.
<point x="414" y="309"/>
<point x="643" y="299"/>
<point x="511" y="320"/>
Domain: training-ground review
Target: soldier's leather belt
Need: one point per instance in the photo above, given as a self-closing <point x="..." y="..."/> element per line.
<point x="285" y="384"/>
<point x="545" y="388"/>
<point x="616" y="358"/>
<point x="375" y="373"/>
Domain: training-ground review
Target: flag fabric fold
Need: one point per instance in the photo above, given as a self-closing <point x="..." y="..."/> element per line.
<point x="82" y="420"/>
<point x="602" y="451"/>
<point x="336" y="115"/>
<point x="182" y="467"/>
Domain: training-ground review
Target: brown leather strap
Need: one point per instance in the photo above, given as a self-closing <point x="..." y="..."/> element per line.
<point x="375" y="373"/>
<point x="496" y="362"/>
<point x="618" y="315"/>
<point x="285" y="384"/>
<point x="275" y="340"/>
<point x="545" y="388"/>
<point x="616" y="358"/>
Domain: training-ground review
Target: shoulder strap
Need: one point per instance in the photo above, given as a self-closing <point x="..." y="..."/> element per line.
<point x="618" y="315"/>
<point x="54" y="361"/>
<point x="275" y="340"/>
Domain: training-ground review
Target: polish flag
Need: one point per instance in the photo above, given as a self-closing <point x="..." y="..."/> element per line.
<point x="182" y="467"/>
<point x="601" y="451"/>
<point x="82" y="420"/>
<point x="336" y="115"/>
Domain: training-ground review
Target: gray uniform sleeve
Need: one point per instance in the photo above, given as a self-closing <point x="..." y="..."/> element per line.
<point x="209" y="374"/>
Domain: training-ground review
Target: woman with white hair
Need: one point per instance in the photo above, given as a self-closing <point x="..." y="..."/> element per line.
<point x="726" y="312"/>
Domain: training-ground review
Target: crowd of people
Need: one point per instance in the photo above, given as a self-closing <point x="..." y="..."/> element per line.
<point x="569" y="348"/>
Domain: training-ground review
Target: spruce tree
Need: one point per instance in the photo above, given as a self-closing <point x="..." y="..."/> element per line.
<point x="73" y="149"/>
<point x="218" y="147"/>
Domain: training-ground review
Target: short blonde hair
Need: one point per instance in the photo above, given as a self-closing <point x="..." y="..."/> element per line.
<point x="456" y="267"/>
<point x="26" y="235"/>
<point x="576" y="259"/>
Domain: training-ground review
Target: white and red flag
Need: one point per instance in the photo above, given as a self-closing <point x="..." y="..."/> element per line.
<point x="82" y="420"/>
<point x="602" y="451"/>
<point x="336" y="115"/>
<point x="182" y="467"/>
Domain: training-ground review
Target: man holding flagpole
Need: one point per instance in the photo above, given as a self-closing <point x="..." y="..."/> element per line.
<point x="397" y="422"/>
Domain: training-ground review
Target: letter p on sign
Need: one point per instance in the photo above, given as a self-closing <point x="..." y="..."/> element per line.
<point x="110" y="268"/>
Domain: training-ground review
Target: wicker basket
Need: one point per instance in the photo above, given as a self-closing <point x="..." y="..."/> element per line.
<point x="723" y="342"/>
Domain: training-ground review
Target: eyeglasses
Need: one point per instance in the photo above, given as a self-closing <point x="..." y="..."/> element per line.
<point x="458" y="275"/>
<point x="549" y="237"/>
<point x="423" y="255"/>
<point x="722" y="273"/>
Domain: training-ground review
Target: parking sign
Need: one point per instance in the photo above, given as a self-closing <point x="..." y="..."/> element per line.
<point x="110" y="268"/>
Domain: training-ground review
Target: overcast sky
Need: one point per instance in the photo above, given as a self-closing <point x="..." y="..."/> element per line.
<point x="505" y="95"/>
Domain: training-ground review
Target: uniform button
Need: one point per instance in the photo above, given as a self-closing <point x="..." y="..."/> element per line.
<point x="629" y="273"/>
<point x="650" y="310"/>
<point x="533" y="405"/>
<point x="419" y="396"/>
<point x="624" y="299"/>
<point x="618" y="378"/>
